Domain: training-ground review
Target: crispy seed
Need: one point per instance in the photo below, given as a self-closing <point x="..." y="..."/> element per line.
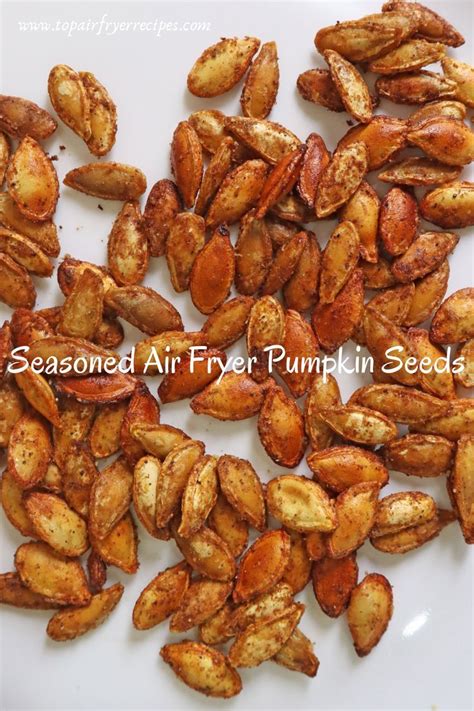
<point x="199" y="496"/>
<point x="74" y="622"/>
<point x="119" y="547"/>
<point x="50" y="574"/>
<point x="104" y="436"/>
<point x="435" y="109"/>
<point x="186" y="162"/>
<point x="278" y="599"/>
<point x="341" y="178"/>
<point x="419" y="171"/>
<point x="298" y="571"/>
<point x="412" y="55"/>
<point x="152" y="351"/>
<point x="291" y="208"/>
<point x="268" y="139"/>
<point x="228" y="323"/>
<point x="398" y="222"/>
<point x="338" y="261"/>
<point x="173" y="478"/>
<point x="32" y="181"/>
<point x="369" y="612"/>
<point x="158" y="440"/>
<point x="238" y="193"/>
<point x="102" y="115"/>
<point x="383" y="137"/>
<point x="420" y="455"/>
<point x="413" y="537"/>
<point x="98" y="388"/>
<point x="300" y="504"/>
<point x="463" y="74"/>
<point x="360" y="424"/>
<point x="445" y="139"/>
<point x="70" y="99"/>
<point x="399" y="403"/>
<point x="429" y="24"/>
<point x="109" y="333"/>
<point x="202" y="668"/>
<point x="185" y="240"/>
<point x="11" y="409"/>
<point x="226" y="522"/>
<point x="333" y="583"/>
<point x="144" y="308"/>
<point x="206" y="553"/>
<point x="25" y="253"/>
<point x="44" y="234"/>
<point x="300" y="347"/>
<point x="377" y="275"/>
<point x="362" y="210"/>
<point x="81" y="313"/>
<point x="284" y="263"/>
<point x="70" y="270"/>
<point x="465" y="377"/>
<point x="281" y="428"/>
<point x="263" y="565"/>
<point x="352" y="88"/>
<point x="215" y="629"/>
<point x="261" y="641"/>
<point x="357" y="41"/>
<point x="189" y="377"/>
<point x="323" y="394"/>
<point x="111" y="495"/>
<point x="37" y="391"/>
<point x="261" y="85"/>
<point x="382" y="335"/>
<point x="209" y="125"/>
<point x="242" y="488"/>
<point x="56" y="524"/>
<point x="161" y="597"/>
<point x="143" y="409"/>
<point x="392" y="303"/>
<point x="315" y="160"/>
<point x="460" y="485"/>
<point x="21" y="117"/>
<point x="162" y="206"/>
<point x="78" y="473"/>
<point x="127" y="247"/>
<point x="219" y="165"/>
<point x="415" y="87"/>
<point x="425" y="254"/>
<point x="221" y="66"/>
<point x="30" y="326"/>
<point x="341" y="467"/>
<point x="454" y="320"/>
<point x="280" y="181"/>
<point x="297" y="655"/>
<point x="335" y="323"/>
<point x="13" y="504"/>
<point x="403" y="510"/>
<point x="450" y="205"/>
<point x="440" y="384"/>
<point x="234" y="397"/>
<point x="201" y="600"/>
<point x="253" y="254"/>
<point x="29" y="451"/>
<point x="13" y="592"/>
<point x="145" y="481"/>
<point x="317" y="86"/>
<point x="355" y="512"/>
<point x="301" y="289"/>
<point x="458" y="421"/>
<point x="109" y="181"/>
<point x="213" y="272"/>
<point x="266" y="327"/>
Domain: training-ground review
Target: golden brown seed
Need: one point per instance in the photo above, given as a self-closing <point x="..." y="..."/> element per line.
<point x="127" y="247"/>
<point x="454" y="320"/>
<point x="281" y="428"/>
<point x="301" y="348"/>
<point x="4" y="153"/>
<point x="253" y="254"/>
<point x="234" y="397"/>
<point x="13" y="592"/>
<point x="144" y="308"/>
<point x="70" y="99"/>
<point x="300" y="291"/>
<point x="460" y="484"/>
<point x="56" y="524"/>
<point x="362" y="210"/>
<point x="201" y="600"/>
<point x="359" y="424"/>
<point x="268" y="139"/>
<point x="445" y="139"/>
<point x="333" y="582"/>
<point x="242" y="488"/>
<point x="38" y="393"/>
<point x="463" y="74"/>
<point x="29" y="451"/>
<point x="73" y="622"/>
<point x="428" y="23"/>
<point x="209" y="125"/>
<point x="355" y="513"/>
<point x="186" y="162"/>
<point x="300" y="504"/>
<point x="104" y="436"/>
<point x="185" y="240"/>
<point x="228" y="323"/>
<point x="352" y="88"/>
<point x="403" y="510"/>
<point x="221" y="66"/>
<point x="413" y="537"/>
<point x="383" y="137"/>
<point x="174" y="475"/>
<point x="399" y="403"/>
<point x="199" y="495"/>
<point x="419" y="171"/>
<point x="206" y="553"/>
<point x="266" y="328"/>
<point x="226" y="522"/>
<point x="360" y="40"/>
<point x="142" y="409"/>
<point x="435" y="109"/>
<point x="317" y="86"/>
<point x="341" y="178"/>
<point x="412" y="55"/>
<point x="298" y="570"/>
<point x="212" y="272"/>
<point x="450" y="205"/>
<point x="21" y="117"/>
<point x="434" y="379"/>
<point x="32" y="181"/>
<point x="162" y="206"/>
<point x="110" y="498"/>
<point x="102" y="116"/>
<point x="25" y="252"/>
<point x="284" y="263"/>
<point x="280" y="181"/>
<point x="429" y="293"/>
<point x="120" y="546"/>
<point x="335" y="323"/>
<point x="458" y="421"/>
<point x="261" y="85"/>
<point x="398" y="222"/>
<point x="338" y="261"/>
<point x="465" y="378"/>
<point x="314" y="162"/>
<point x="202" y="668"/>
<point x="420" y="455"/>
<point x="263" y="565"/>
<point x="425" y="254"/>
<point x="238" y="193"/>
<point x="150" y="352"/>
<point x="109" y="181"/>
<point x="161" y="597"/>
<point x="382" y="335"/>
<point x="219" y="165"/>
<point x="370" y="610"/>
<point x="415" y="87"/>
<point x="81" y="313"/>
<point x="297" y="655"/>
<point x="44" y="234"/>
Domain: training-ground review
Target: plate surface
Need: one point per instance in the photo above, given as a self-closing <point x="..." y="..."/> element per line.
<point x="425" y="659"/>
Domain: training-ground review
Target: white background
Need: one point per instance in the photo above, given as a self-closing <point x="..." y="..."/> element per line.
<point x="425" y="659"/>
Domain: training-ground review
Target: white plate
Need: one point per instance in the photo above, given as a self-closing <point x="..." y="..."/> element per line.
<point x="425" y="659"/>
